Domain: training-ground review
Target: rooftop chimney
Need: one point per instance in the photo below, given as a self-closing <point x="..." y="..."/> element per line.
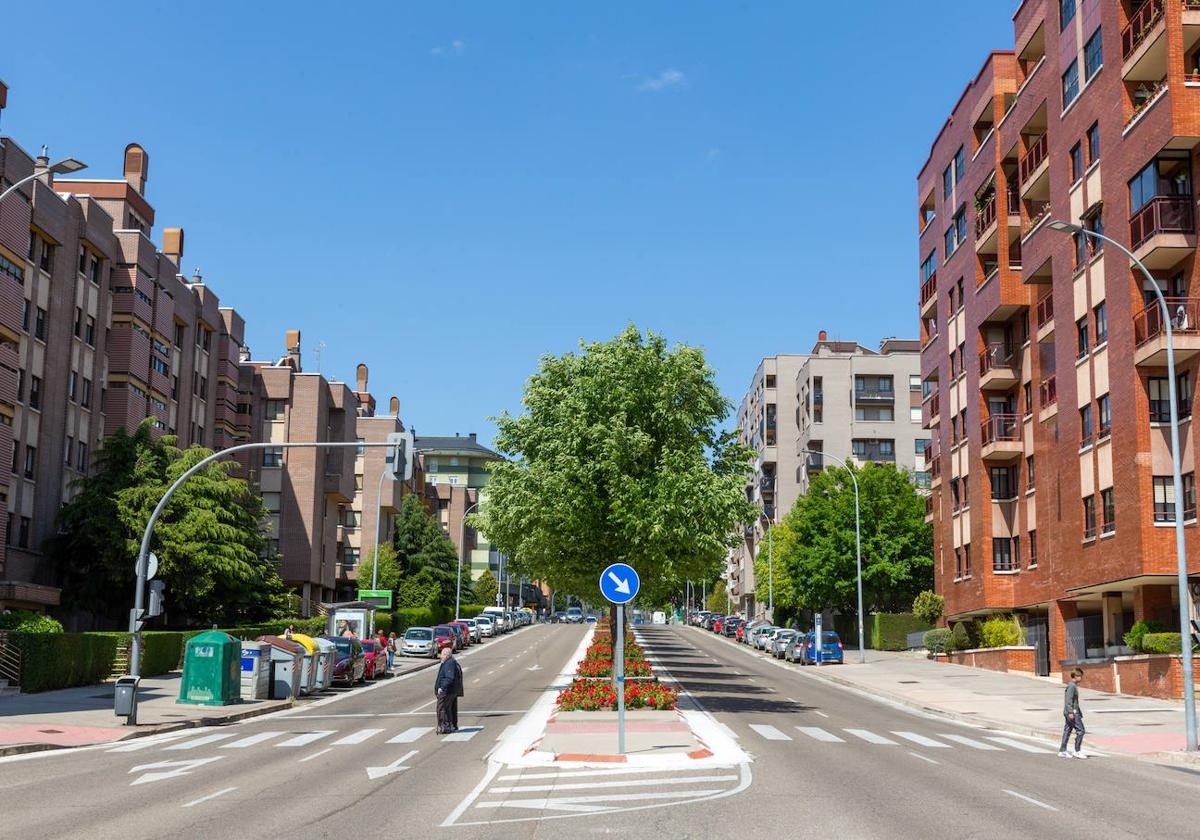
<point x="137" y="167"/>
<point x="394" y="406"/>
<point x="472" y="436"/>
<point x="292" y="340"/>
<point x="362" y="378"/>
<point x="173" y="245"/>
<point x="822" y="336"/>
<point x="3" y="95"/>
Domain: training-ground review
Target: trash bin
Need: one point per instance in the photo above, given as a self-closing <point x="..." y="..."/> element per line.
<point x="308" y="674"/>
<point x="211" y="670"/>
<point x="288" y="658"/>
<point x="327" y="657"/>
<point x="256" y="670"/>
<point x="125" y="697"/>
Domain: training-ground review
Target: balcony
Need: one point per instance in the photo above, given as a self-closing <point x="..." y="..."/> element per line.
<point x="874" y="396"/>
<point x="818" y="398"/>
<point x="1013" y="196"/>
<point x="815" y="463"/>
<point x="1047" y="399"/>
<point x="985" y="225"/>
<point x="999" y="368"/>
<point x="1162" y="232"/>
<point x="1150" y="337"/>
<point x="929" y="295"/>
<point x="929" y="508"/>
<point x="935" y="469"/>
<point x="1143" y="47"/>
<point x="930" y="411"/>
<point x="1000" y="437"/>
<point x="1034" y="170"/>
<point x="1045" y="320"/>
<point x="766" y="484"/>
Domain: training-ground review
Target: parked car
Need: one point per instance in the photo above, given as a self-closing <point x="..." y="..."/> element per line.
<point x="559" y="617"/>
<point x="779" y="644"/>
<point x="455" y="638"/>
<point x="700" y="618"/>
<point x="376" y="659"/>
<point x="709" y="620"/>
<point x="831" y="648"/>
<point x="731" y="625"/>
<point x="574" y="615"/>
<point x="474" y="628"/>
<point x="658" y="617"/>
<point x="487" y="627"/>
<point x="445" y="637"/>
<point x="764" y="636"/>
<point x="464" y="633"/>
<point x="743" y="634"/>
<point x="418" y="641"/>
<point x="590" y="619"/>
<point x="349" y="661"/>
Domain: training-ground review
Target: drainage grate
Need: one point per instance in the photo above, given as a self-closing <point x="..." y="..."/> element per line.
<point x="908" y="682"/>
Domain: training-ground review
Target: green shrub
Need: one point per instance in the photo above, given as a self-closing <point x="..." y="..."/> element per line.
<point x="1138" y="632"/>
<point x="928" y="606"/>
<point x="63" y="660"/>
<point x="472" y="610"/>
<point x="960" y="638"/>
<point x="162" y="652"/>
<point x="1000" y="631"/>
<point x="889" y="631"/>
<point x="25" y="621"/>
<point x="1161" y="643"/>
<point x="937" y="639"/>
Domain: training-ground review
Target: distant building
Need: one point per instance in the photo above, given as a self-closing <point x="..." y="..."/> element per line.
<point x="457" y="471"/>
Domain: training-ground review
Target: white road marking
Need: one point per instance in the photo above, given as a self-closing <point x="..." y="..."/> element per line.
<point x="153" y="741"/>
<point x="357" y="737"/>
<point x="475" y="680"/>
<point x="168" y="769"/>
<point x="411" y="734"/>
<point x="306" y="738"/>
<point x="822" y="714"/>
<point x="464" y="734"/>
<point x="1030" y="800"/>
<point x="1018" y="745"/>
<point x="924" y="758"/>
<point x="561" y="803"/>
<point x="250" y="740"/>
<point x="396" y="766"/>
<point x="570" y="774"/>
<point x="200" y="742"/>
<point x="970" y="742"/>
<point x="507" y="731"/>
<point x="425" y="705"/>
<point x="921" y="739"/>
<point x="617" y="784"/>
<point x="871" y="737"/>
<point x="316" y="754"/>
<point x="820" y="734"/>
<point x="210" y="796"/>
<point x="769" y="732"/>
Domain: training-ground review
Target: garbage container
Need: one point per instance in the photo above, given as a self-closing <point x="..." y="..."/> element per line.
<point x="256" y="670"/>
<point x="125" y="697"/>
<point x="288" y="658"/>
<point x="327" y="656"/>
<point x="211" y="670"/>
<point x="308" y="674"/>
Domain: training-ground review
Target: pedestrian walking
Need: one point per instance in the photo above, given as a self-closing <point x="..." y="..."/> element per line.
<point x="448" y="688"/>
<point x="391" y="648"/>
<point x="1072" y="718"/>
<point x="287" y="634"/>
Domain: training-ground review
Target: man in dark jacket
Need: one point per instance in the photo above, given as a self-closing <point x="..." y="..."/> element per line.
<point x="448" y="688"/>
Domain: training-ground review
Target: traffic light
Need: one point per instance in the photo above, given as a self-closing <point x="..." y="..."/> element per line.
<point x="399" y="459"/>
<point x="155" y="607"/>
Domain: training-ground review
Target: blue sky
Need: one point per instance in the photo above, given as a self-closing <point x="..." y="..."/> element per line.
<point x="448" y="191"/>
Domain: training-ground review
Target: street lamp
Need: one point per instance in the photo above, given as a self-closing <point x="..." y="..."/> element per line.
<point x="770" y="568"/>
<point x="62" y="167"/>
<point x="462" y="549"/>
<point x="862" y="654"/>
<point x="1185" y="634"/>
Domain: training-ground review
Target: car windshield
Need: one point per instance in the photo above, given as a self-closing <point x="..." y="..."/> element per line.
<point x="419" y="634"/>
<point x="482" y="620"/>
<point x="342" y="645"/>
<point x="441" y="631"/>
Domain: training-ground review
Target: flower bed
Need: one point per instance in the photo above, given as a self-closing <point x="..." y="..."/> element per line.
<point x="593" y="696"/>
<point x="598" y="667"/>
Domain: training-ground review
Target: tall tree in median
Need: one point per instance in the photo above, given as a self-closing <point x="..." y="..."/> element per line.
<point x="815" y="543"/>
<point x="618" y="456"/>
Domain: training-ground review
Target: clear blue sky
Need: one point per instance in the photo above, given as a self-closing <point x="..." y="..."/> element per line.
<point x="447" y="191"/>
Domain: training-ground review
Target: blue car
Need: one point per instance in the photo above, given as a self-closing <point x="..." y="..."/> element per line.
<point x="804" y="651"/>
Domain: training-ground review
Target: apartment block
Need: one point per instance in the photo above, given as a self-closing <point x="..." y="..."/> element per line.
<point x="1093" y="119"/>
<point x="456" y="472"/>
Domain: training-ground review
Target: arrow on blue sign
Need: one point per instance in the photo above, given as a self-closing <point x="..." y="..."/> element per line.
<point x="619" y="583"/>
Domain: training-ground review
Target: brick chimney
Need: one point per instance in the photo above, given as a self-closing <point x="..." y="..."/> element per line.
<point x="822" y="336"/>
<point x="292" y="340"/>
<point x="173" y="245"/>
<point x="137" y="167"/>
<point x="394" y="406"/>
<point x="362" y="378"/>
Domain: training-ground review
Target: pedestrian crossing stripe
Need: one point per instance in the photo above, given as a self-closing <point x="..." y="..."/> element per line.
<point x="769" y="732"/>
<point x="970" y="742"/>
<point x="306" y="738"/>
<point x="920" y="739"/>
<point x="819" y="734"/>
<point x="301" y="739"/>
<point x="1019" y="745"/>
<point x="201" y="742"/>
<point x="464" y="734"/>
<point x="357" y="737"/>
<point x="411" y="734"/>
<point x="871" y="737"/>
<point x="250" y="740"/>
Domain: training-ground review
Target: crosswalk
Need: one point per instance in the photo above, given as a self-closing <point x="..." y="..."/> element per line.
<point x="330" y="738"/>
<point x="897" y="737"/>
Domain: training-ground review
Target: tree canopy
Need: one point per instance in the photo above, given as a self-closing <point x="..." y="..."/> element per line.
<point x="389" y="568"/>
<point x="486" y="587"/>
<point x="422" y="546"/>
<point x="814" y="545"/>
<point x="619" y="455"/>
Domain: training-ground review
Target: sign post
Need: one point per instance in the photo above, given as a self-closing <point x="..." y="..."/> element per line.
<point x="619" y="583"/>
<point x="817" y="649"/>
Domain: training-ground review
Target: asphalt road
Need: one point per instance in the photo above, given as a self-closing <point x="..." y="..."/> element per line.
<point x="825" y="762"/>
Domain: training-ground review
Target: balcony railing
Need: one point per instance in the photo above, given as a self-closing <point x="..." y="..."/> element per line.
<point x="816" y="463"/>
<point x="1161" y="214"/>
<point x="1185" y="319"/>
<point x="1000" y="427"/>
<point x="1033" y="158"/>
<point x="1140" y="25"/>
<point x="932" y="405"/>
<point x="1048" y="393"/>
<point x="929" y="288"/>
<point x="1014" y="200"/>
<point x="935" y="466"/>
<point x="985" y="215"/>
<point x="874" y="395"/>
<point x="1045" y="310"/>
<point x="996" y="357"/>
<point x="767" y="483"/>
<point x="929" y="505"/>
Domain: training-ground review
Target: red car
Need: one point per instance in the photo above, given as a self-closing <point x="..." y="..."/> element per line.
<point x="464" y="631"/>
<point x="444" y="637"/>
<point x="376" y="659"/>
<point x="717" y="624"/>
<point x="741" y="629"/>
<point x="455" y="635"/>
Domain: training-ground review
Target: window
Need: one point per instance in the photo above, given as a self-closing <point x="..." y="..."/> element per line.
<point x="85" y="397"/>
<point x="1016" y="553"/>
<point x="955" y="495"/>
<point x="1033" y="549"/>
<point x="962" y="300"/>
<point x="914" y="414"/>
<point x="928" y="266"/>
<point x="351" y="518"/>
<point x="1100" y="317"/>
<point x="1160" y="405"/>
<point x="1164" y="497"/>
<point x="1004" y="483"/>
<point x="39" y="324"/>
<point x="1076" y="162"/>
<point x="1027" y="392"/>
<point x="1079" y="241"/>
<point x="966" y="493"/>
<point x="350" y="556"/>
<point x="23" y="534"/>
<point x="275" y="409"/>
<point x="47" y="257"/>
<point x="21" y="385"/>
<point x="273" y="457"/>
<point x="1002" y="560"/>
<point x="1066" y="12"/>
<point x="1161" y="176"/>
<point x="960" y="224"/>
<point x="957" y="564"/>
<point x="1081" y="336"/>
<point x="206" y="338"/>
<point x="24" y="314"/>
<point x="77" y="328"/>
<point x="70" y="449"/>
<point x="1070" y="84"/>
<point x="1108" y="512"/>
<point x="1095" y="223"/>
<point x="179" y="335"/>
<point x="81" y="455"/>
<point x="1089" y="517"/>
<point x="914" y="382"/>
<point x="1093" y="143"/>
<point x="887" y="447"/>
<point x="358" y="450"/>
<point x="35" y="392"/>
<point x="885" y="414"/>
<point x="1085" y="426"/>
<point x="30" y="460"/>
<point x="94" y="270"/>
<point x="967" y="560"/>
<point x="271" y="502"/>
<point x="959" y="164"/>
<point x="947" y="181"/>
<point x="951" y="243"/>
<point x="89" y="331"/>
<point x="1103" y="416"/>
<point x="159" y="366"/>
<point x="921" y="445"/>
<point x="72" y="385"/>
<point x="16" y="456"/>
<point x="11" y="269"/>
<point x="1093" y="58"/>
<point x="203" y="387"/>
<point x="200" y="435"/>
<point x="1030" y="477"/>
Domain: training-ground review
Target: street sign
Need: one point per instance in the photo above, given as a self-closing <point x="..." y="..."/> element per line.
<point x="619" y="583"/>
<point x="398" y="459"/>
<point x="379" y="598"/>
<point x="151" y="566"/>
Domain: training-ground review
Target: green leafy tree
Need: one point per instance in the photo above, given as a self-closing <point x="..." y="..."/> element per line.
<point x="768" y="567"/>
<point x="815" y="544"/>
<point x="419" y="589"/>
<point x="421" y="545"/>
<point x="485" y="587"/>
<point x="618" y="456"/>
<point x="928" y="606"/>
<point x="716" y="598"/>
<point x="389" y="569"/>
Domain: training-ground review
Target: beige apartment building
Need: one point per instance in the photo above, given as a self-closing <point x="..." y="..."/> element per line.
<point x="841" y="399"/>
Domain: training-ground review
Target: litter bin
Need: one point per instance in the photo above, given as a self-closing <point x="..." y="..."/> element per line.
<point x="256" y="670"/>
<point x="211" y="670"/>
<point x="308" y="674"/>
<point x="327" y="656"/>
<point x="288" y="659"/>
<point x="125" y="697"/>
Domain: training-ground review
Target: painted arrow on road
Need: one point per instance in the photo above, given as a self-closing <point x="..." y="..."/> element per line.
<point x="622" y="583"/>
<point x="394" y="767"/>
<point x="178" y="768"/>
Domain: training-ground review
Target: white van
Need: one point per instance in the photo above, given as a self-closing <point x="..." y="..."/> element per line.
<point x="496" y="614"/>
<point x="659" y="617"/>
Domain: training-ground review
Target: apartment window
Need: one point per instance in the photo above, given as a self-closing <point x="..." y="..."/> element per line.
<point x="47" y="257"/>
<point x="921" y="445"/>
<point x="887" y="448"/>
<point x="1160" y="401"/>
<point x="350" y="556"/>
<point x="1027" y="393"/>
<point x="1081" y="337"/>
<point x="206" y="338"/>
<point x="1066" y="12"/>
<point x="1070" y="84"/>
<point x="70" y="449"/>
<point x="81" y="455"/>
<point x="914" y="414"/>
<point x="1033" y="549"/>
<point x="351" y="518"/>
<point x="955" y="495"/>
<point x="1004" y="483"/>
<point x="35" y="392"/>
<point x="271" y="502"/>
<point x="1095" y="223"/>
<point x="1030" y="476"/>
<point x="966" y="493"/>
<point x="16" y="456"/>
<point x="962" y="300"/>
<point x="1103" y="415"/>
<point x="11" y="269"/>
<point x="1002" y="560"/>
<point x="24" y="314"/>
<point x="928" y="266"/>
<point x="885" y="414"/>
<point x="1079" y="243"/>
<point x="959" y="164"/>
<point x="1093" y="58"/>
<point x="275" y="409"/>
<point x="77" y="328"/>
<point x="179" y="335"/>
<point x="94" y="270"/>
<point x="1108" y="512"/>
<point x="914" y="382"/>
<point x="1085" y="426"/>
<point x="1100" y="317"/>
<point x="1093" y="143"/>
<point x="72" y="385"/>
<point x="39" y="324"/>
<point x="962" y="358"/>
<point x="967" y="560"/>
<point x="204" y="386"/>
<point x="21" y="385"/>
<point x="160" y="366"/>
<point x="1161" y="176"/>
<point x="273" y="457"/>
<point x="954" y="429"/>
<point x="23" y="533"/>
<point x="958" y="567"/>
<point x="1164" y="497"/>
<point x="89" y="331"/>
<point x="951" y="242"/>
<point x="30" y="460"/>
<point x="85" y="395"/>
<point x="947" y="181"/>
<point x="1016" y="553"/>
<point x="1089" y="517"/>
<point x="358" y="450"/>
<point x="1076" y="162"/>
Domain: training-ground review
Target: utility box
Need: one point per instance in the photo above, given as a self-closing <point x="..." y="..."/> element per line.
<point x="256" y="670"/>
<point x="288" y="658"/>
<point x="211" y="670"/>
<point x="312" y="653"/>
<point x="125" y="697"/>
<point x="328" y="654"/>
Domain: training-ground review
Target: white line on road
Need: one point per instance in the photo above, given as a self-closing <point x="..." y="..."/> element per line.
<point x="822" y="714"/>
<point x="306" y="738"/>
<point x="924" y="758"/>
<point x="871" y="737"/>
<point x="210" y="796"/>
<point x="769" y="732"/>
<point x="425" y="705"/>
<point x="548" y="803"/>
<point x="970" y="742"/>
<point x="507" y="731"/>
<point x="316" y="754"/>
<point x="200" y="742"/>
<point x="250" y="740"/>
<point x="464" y="734"/>
<point x="475" y="680"/>
<point x="920" y="739"/>
<point x="571" y="774"/>
<point x="1030" y="800"/>
<point x="1018" y="745"/>
<point x="153" y="741"/>
<point x="623" y="783"/>
<point x="820" y="734"/>
<point x="411" y="734"/>
<point x="357" y="737"/>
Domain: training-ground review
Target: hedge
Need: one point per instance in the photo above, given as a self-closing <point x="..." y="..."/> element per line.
<point x="63" y="660"/>
<point x="889" y="631"/>
<point x="1161" y="643"/>
<point x="936" y="639"/>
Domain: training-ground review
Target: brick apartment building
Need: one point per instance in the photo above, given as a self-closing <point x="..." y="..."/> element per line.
<point x="843" y="399"/>
<point x="1094" y="118"/>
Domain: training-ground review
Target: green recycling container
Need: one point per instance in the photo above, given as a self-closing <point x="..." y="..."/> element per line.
<point x="211" y="670"/>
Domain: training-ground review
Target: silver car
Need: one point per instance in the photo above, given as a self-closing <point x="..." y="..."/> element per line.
<point x="762" y="635"/>
<point x="487" y="628"/>
<point x="779" y="644"/>
<point x="418" y="641"/>
<point x="470" y="622"/>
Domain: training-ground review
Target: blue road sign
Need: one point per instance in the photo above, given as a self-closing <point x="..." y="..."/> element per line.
<point x="619" y="583"/>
